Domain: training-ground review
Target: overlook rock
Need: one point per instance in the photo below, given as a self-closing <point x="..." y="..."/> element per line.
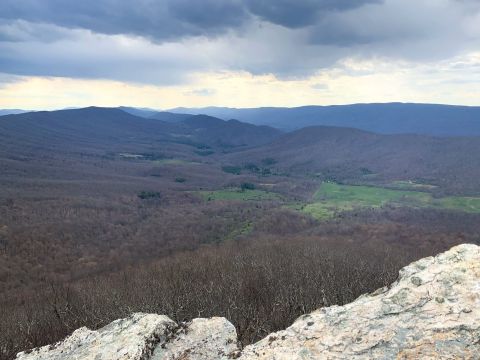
<point x="431" y="312"/>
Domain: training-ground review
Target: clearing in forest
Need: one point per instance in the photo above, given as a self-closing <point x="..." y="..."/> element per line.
<point x="332" y="198"/>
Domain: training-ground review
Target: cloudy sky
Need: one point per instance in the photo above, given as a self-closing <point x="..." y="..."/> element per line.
<point x="238" y="53"/>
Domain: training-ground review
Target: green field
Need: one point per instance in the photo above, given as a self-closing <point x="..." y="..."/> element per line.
<point x="466" y="204"/>
<point x="332" y="198"/>
<point x="240" y="195"/>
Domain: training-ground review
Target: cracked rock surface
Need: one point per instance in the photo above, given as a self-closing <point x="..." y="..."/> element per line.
<point x="431" y="312"/>
<point x="133" y="338"/>
<point x="201" y="339"/>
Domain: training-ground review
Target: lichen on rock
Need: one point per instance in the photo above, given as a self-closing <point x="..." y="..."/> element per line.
<point x="431" y="312"/>
<point x="133" y="338"/>
<point x="201" y="339"/>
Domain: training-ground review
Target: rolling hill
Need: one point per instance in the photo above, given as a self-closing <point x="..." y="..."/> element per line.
<point x="169" y="117"/>
<point x="229" y="133"/>
<point x="336" y="153"/>
<point x="392" y="118"/>
<point x="85" y="129"/>
<point x="107" y="128"/>
<point x="350" y="154"/>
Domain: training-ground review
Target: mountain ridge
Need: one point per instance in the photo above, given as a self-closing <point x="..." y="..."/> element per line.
<point x="386" y="118"/>
<point x="339" y="153"/>
<point x="114" y="126"/>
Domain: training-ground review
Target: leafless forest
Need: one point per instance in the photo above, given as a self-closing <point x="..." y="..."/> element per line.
<point x="97" y="227"/>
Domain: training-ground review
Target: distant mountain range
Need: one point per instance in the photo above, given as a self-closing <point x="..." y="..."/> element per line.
<point x="392" y="118"/>
<point x="388" y="118"/>
<point x="340" y="153"/>
<point x="11" y="111"/>
<point x="108" y="128"/>
<point x="143" y="112"/>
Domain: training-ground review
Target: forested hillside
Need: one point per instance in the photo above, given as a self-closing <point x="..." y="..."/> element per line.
<point x="103" y="213"/>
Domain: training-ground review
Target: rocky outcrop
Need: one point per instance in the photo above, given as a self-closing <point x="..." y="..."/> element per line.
<point x="133" y="338"/>
<point x="202" y="339"/>
<point x="431" y="312"/>
<point x="145" y="336"/>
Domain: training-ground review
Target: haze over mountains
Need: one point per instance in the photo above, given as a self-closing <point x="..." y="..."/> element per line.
<point x="337" y="152"/>
<point x="11" y="111"/>
<point x="109" y="127"/>
<point x="389" y="118"/>
<point x="383" y="118"/>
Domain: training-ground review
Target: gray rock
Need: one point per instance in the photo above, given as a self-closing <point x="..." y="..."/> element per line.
<point x="201" y="339"/>
<point x="431" y="312"/>
<point x="133" y="338"/>
<point x="146" y="336"/>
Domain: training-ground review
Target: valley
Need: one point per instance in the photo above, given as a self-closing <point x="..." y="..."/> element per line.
<point x="242" y="179"/>
<point x="98" y="206"/>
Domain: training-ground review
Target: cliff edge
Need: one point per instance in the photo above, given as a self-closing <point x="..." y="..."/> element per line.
<point x="431" y="312"/>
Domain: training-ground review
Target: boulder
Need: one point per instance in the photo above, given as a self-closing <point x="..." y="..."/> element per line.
<point x="133" y="338"/>
<point x="431" y="312"/>
<point x="146" y="336"/>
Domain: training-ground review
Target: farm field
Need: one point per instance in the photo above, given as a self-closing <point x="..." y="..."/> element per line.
<point x="332" y="198"/>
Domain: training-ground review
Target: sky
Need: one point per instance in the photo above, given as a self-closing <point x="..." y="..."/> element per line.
<point x="163" y="54"/>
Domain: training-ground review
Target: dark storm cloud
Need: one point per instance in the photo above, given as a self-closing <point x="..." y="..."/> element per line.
<point x="208" y="14"/>
<point x="167" y="19"/>
<point x="299" y="13"/>
<point x="163" y="42"/>
<point x="158" y="20"/>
